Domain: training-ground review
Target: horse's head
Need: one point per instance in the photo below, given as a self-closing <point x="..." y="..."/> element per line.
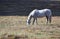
<point x="28" y="22"/>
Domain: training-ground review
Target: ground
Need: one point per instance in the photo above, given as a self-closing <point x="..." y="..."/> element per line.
<point x="14" y="27"/>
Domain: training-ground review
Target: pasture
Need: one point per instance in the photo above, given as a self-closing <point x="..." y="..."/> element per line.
<point x="14" y="27"/>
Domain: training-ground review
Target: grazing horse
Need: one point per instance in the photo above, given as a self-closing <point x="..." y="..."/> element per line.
<point x="39" y="13"/>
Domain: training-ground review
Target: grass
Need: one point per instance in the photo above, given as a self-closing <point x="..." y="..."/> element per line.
<point x="14" y="27"/>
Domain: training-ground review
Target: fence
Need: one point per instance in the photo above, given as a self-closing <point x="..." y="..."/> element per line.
<point x="24" y="7"/>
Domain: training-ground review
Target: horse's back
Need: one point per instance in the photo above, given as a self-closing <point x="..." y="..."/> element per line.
<point x="39" y="13"/>
<point x="44" y="12"/>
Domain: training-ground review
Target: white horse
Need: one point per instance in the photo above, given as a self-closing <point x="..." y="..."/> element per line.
<point x="39" y="13"/>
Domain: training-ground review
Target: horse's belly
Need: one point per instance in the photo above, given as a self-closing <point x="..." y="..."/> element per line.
<point x="40" y="16"/>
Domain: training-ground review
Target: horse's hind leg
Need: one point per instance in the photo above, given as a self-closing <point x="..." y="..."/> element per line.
<point x="47" y="19"/>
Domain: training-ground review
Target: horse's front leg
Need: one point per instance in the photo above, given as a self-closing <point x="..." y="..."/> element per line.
<point x="33" y="21"/>
<point x="36" y="21"/>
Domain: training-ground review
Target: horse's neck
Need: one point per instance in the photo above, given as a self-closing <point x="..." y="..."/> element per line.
<point x="30" y="16"/>
<point x="31" y="13"/>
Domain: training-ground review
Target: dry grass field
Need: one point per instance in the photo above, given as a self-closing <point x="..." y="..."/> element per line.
<point x="14" y="27"/>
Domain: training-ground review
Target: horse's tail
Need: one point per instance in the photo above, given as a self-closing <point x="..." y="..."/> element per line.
<point x="49" y="15"/>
